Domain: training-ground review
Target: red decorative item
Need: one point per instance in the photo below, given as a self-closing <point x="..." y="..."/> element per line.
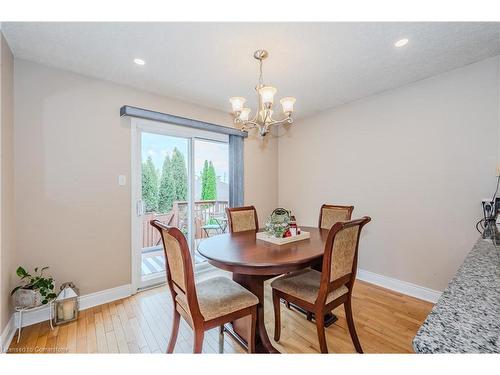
<point x="287" y="233"/>
<point x="293" y="226"/>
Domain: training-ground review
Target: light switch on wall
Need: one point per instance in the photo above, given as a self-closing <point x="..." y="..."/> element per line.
<point x="122" y="180"/>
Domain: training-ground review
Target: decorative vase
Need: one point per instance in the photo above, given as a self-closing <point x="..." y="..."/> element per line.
<point x="27" y="298"/>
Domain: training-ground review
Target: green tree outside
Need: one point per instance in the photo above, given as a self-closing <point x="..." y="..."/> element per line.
<point x="204" y="180"/>
<point x="159" y="192"/>
<point x="149" y="185"/>
<point x="208" y="182"/>
<point x="179" y="173"/>
<point x="211" y="182"/>
<point x="166" y="191"/>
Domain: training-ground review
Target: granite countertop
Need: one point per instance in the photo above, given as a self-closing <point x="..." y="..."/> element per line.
<point x="466" y="318"/>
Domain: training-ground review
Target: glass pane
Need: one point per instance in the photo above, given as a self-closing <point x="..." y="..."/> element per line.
<point x="164" y="194"/>
<point x="211" y="190"/>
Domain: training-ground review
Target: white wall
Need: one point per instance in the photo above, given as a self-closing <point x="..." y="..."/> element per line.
<point x="6" y="179"/>
<point x="418" y="160"/>
<point x="70" y="147"/>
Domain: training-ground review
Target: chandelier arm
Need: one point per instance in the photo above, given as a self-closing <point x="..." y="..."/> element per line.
<point x="254" y="124"/>
<point x="287" y="120"/>
<point x="246" y="125"/>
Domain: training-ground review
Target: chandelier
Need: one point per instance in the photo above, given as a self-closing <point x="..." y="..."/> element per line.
<point x="263" y="117"/>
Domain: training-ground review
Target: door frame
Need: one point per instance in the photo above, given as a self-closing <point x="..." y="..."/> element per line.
<point x="137" y="126"/>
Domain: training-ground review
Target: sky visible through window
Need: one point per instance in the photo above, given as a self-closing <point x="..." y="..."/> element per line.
<point x="216" y="152"/>
<point x="158" y="146"/>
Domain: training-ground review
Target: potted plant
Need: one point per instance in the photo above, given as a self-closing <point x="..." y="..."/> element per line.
<point x="36" y="289"/>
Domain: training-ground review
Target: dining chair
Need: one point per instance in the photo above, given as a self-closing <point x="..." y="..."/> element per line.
<point x="204" y="305"/>
<point x="242" y="219"/>
<point x="331" y="214"/>
<point x="321" y="292"/>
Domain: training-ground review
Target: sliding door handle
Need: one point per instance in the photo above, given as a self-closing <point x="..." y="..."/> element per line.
<point x="140" y="208"/>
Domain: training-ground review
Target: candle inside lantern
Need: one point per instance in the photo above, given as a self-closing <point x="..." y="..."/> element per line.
<point x="60" y="313"/>
<point x="68" y="311"/>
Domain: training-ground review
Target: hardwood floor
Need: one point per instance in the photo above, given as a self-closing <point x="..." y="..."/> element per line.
<point x="386" y="322"/>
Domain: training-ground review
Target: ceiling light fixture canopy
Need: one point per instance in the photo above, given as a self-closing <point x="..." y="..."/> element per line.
<point x="401" y="42"/>
<point x="139" y="61"/>
<point x="262" y="118"/>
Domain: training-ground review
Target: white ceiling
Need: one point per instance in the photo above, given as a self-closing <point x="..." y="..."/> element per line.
<point x="322" y="64"/>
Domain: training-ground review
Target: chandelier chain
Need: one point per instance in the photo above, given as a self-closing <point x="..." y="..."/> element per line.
<point x="261" y="79"/>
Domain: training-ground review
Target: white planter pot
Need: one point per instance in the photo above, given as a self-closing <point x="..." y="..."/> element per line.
<point x="27" y="298"/>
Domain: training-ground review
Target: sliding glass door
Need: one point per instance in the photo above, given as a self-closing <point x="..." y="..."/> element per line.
<point x="164" y="196"/>
<point x="211" y="190"/>
<point x="181" y="179"/>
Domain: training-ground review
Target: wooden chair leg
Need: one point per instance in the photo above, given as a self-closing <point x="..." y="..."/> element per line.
<point x="277" y="315"/>
<point x="221" y="339"/>
<point x="175" y="331"/>
<point x="320" y="327"/>
<point x="253" y="325"/>
<point x="198" y="341"/>
<point x="350" y="325"/>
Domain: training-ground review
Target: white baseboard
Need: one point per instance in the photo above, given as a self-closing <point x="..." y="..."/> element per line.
<point x="105" y="296"/>
<point x="42" y="314"/>
<point x="8" y="334"/>
<point x="400" y="286"/>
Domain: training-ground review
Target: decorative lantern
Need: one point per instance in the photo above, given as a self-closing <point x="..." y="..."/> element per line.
<point x="66" y="304"/>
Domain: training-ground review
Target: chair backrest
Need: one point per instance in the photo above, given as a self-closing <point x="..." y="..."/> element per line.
<point x="331" y="214"/>
<point x="340" y="258"/>
<point x="242" y="218"/>
<point x="180" y="275"/>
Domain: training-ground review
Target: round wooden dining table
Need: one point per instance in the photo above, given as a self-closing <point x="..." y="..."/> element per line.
<point x="253" y="261"/>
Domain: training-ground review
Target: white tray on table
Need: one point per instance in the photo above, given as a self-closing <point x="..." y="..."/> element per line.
<point x="281" y="241"/>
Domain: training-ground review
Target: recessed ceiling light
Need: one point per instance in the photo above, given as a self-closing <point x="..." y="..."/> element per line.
<point x="401" y="43"/>
<point x="139" y="61"/>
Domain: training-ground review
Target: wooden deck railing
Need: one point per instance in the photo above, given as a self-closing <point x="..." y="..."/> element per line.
<point x="150" y="236"/>
<point x="178" y="217"/>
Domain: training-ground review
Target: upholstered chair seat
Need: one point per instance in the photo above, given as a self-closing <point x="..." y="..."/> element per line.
<point x="304" y="284"/>
<point x="219" y="296"/>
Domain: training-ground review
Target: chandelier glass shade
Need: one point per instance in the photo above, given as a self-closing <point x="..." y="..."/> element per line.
<point x="263" y="116"/>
